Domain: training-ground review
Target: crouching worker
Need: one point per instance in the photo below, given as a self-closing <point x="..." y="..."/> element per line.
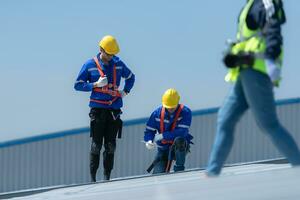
<point x="168" y="129"/>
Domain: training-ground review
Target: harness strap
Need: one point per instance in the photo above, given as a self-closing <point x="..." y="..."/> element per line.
<point x="176" y="117"/>
<point x="99" y="67"/>
<point x="105" y="102"/>
<point x="110" y="89"/>
<point x="113" y="93"/>
<point x="162" y="118"/>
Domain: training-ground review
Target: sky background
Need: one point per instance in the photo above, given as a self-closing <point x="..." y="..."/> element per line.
<point x="166" y="43"/>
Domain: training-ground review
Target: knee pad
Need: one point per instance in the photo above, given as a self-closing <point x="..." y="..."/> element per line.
<point x="180" y="144"/>
<point x="110" y="148"/>
<point x="95" y="148"/>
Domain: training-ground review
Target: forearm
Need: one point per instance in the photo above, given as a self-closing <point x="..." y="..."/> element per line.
<point x="83" y="86"/>
<point x="129" y="83"/>
<point x="148" y="136"/>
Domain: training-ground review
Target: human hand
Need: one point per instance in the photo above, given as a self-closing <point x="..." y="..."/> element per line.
<point x="123" y="93"/>
<point x="158" y="137"/>
<point x="231" y="60"/>
<point x="102" y="81"/>
<point x="273" y="71"/>
<point x="150" y="145"/>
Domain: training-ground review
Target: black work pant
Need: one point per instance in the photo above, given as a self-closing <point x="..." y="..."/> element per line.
<point x="104" y="127"/>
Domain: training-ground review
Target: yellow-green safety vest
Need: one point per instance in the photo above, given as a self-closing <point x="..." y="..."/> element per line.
<point x="249" y="41"/>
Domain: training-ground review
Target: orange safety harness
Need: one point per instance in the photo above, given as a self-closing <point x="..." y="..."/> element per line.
<point x="162" y="118"/>
<point x="111" y="89"/>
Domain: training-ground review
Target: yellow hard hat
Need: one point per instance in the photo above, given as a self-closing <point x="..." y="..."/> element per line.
<point x="109" y="44"/>
<point x="170" y="98"/>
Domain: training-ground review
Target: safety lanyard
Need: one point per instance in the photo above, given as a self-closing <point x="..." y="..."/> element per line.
<point x="162" y="118"/>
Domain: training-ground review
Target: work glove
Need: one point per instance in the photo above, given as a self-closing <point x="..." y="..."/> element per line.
<point x="123" y="93"/>
<point x="158" y="137"/>
<point x="235" y="60"/>
<point x="102" y="81"/>
<point x="273" y="71"/>
<point x="150" y="145"/>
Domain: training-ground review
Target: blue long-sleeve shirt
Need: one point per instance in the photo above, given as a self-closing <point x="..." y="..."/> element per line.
<point x="90" y="74"/>
<point x="256" y="19"/>
<point x="181" y="129"/>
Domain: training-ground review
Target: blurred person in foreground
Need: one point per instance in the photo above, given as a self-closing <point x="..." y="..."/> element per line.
<point x="254" y="62"/>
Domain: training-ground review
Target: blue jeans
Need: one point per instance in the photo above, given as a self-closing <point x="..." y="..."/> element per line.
<point x="252" y="90"/>
<point x="177" y="151"/>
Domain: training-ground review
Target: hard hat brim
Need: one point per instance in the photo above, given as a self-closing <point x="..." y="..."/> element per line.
<point x="170" y="106"/>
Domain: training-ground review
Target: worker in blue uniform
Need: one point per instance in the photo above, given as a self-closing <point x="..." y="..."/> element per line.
<point x="254" y="62"/>
<point x="168" y="129"/>
<point x="102" y="77"/>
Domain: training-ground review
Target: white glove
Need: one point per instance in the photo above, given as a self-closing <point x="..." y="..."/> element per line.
<point x="270" y="9"/>
<point x="123" y="94"/>
<point x="273" y="70"/>
<point x="158" y="137"/>
<point x="102" y="81"/>
<point x="150" y="145"/>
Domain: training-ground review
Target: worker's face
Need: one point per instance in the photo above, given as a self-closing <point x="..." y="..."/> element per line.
<point x="171" y="110"/>
<point x="105" y="56"/>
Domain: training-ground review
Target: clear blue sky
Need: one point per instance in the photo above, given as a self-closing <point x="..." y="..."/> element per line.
<point x="166" y="43"/>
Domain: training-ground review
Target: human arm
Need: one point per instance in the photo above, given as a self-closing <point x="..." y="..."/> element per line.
<point x="82" y="82"/>
<point x="268" y="16"/>
<point x="129" y="79"/>
<point x="150" y="129"/>
<point x="150" y="132"/>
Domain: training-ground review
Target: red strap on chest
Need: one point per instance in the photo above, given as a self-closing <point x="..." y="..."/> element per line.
<point x="102" y="73"/>
<point x="111" y="89"/>
<point x="99" y="67"/>
<point x="162" y="118"/>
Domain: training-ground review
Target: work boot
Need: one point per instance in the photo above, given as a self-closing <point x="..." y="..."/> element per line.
<point x="106" y="175"/>
<point x="93" y="177"/>
<point x="94" y="164"/>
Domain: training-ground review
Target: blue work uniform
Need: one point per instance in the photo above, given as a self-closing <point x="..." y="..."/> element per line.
<point x="180" y="133"/>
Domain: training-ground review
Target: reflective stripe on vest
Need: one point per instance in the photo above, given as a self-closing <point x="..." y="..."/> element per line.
<point x="111" y="89"/>
<point x="162" y="119"/>
<point x="250" y="41"/>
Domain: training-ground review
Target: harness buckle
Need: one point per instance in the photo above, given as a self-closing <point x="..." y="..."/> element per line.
<point x="110" y="85"/>
<point x="105" y="88"/>
<point x="113" y="93"/>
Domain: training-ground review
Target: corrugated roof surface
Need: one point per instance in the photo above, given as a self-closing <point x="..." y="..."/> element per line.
<point x="255" y="181"/>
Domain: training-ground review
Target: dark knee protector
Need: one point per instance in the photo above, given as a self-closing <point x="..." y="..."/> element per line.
<point x="108" y="157"/>
<point x="96" y="148"/>
<point x="180" y="148"/>
<point x="180" y="144"/>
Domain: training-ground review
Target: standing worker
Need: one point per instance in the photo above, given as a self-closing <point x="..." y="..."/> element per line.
<point x="254" y="63"/>
<point x="172" y="122"/>
<point x="102" y="76"/>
